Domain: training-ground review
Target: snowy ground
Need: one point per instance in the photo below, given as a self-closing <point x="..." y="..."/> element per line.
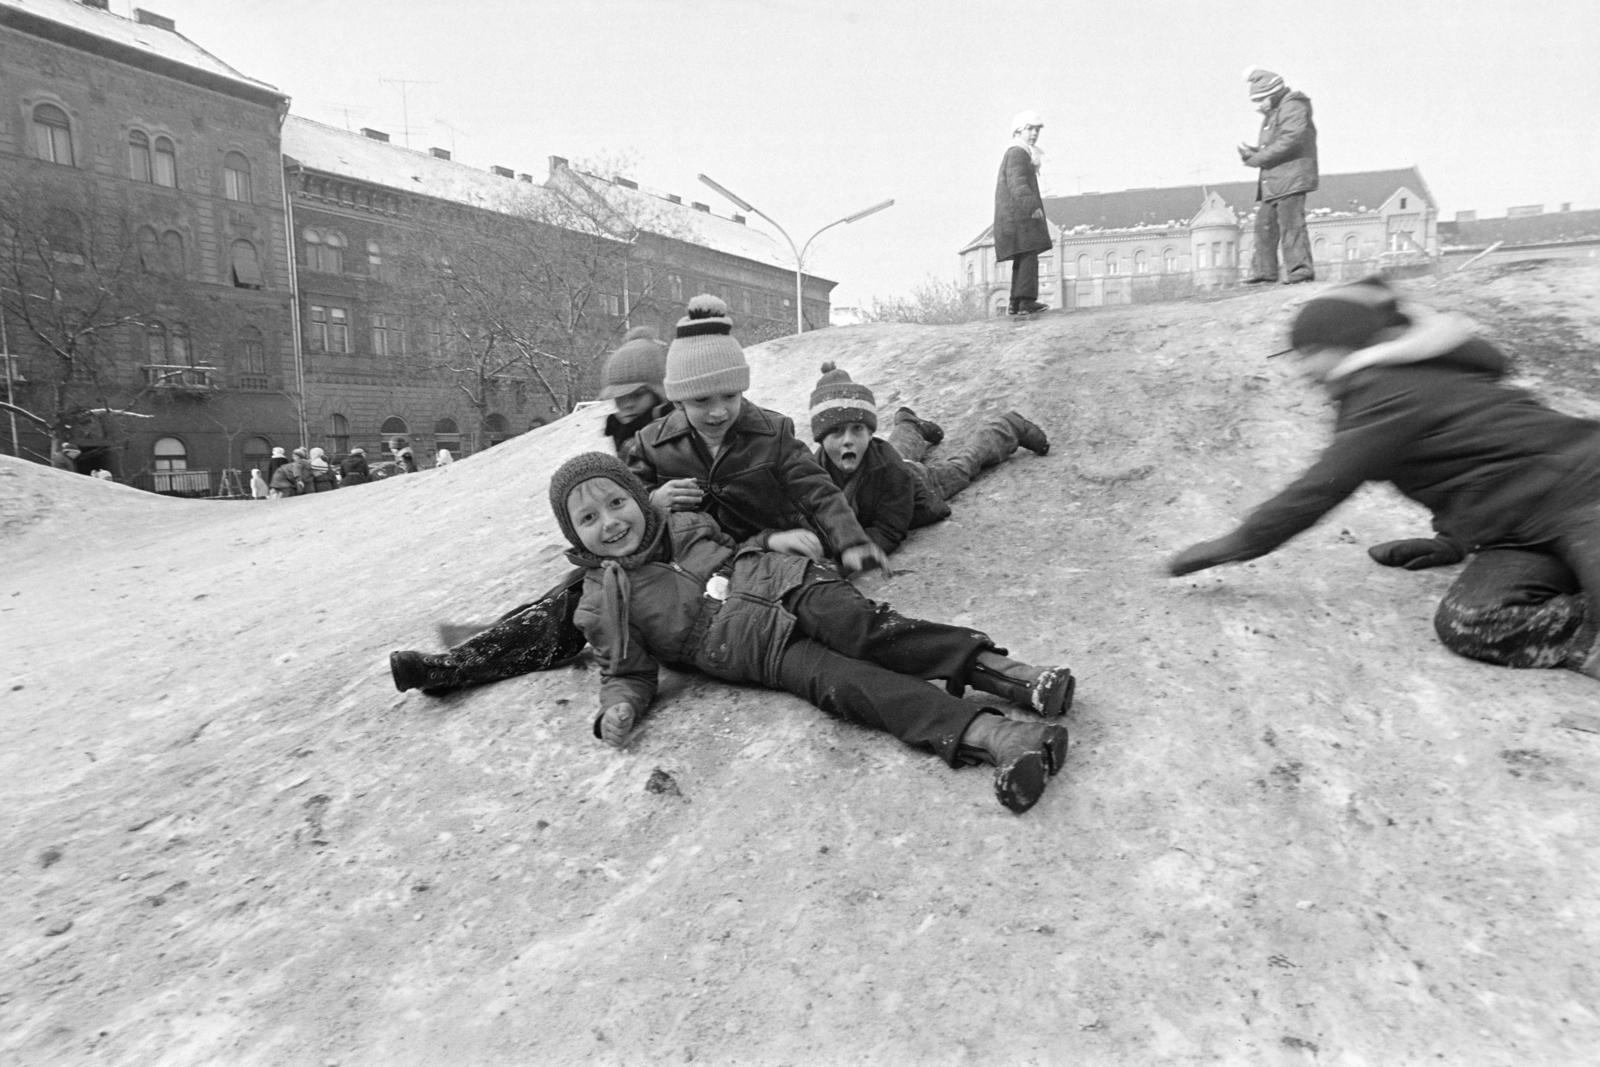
<point x="1294" y="829"/>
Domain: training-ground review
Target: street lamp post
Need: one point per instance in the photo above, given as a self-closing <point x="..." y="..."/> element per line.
<point x="800" y="252"/>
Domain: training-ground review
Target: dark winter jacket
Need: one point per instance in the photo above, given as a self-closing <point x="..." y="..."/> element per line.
<point x="886" y="494"/>
<point x="1016" y="198"/>
<point x="764" y="480"/>
<point x="272" y="466"/>
<point x="291" y="479"/>
<point x="622" y="431"/>
<point x="672" y="618"/>
<point x="354" y="470"/>
<point x="1287" y="154"/>
<point x="1496" y="467"/>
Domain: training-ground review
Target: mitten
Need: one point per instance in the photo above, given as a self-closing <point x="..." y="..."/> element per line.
<point x="1418" y="553"/>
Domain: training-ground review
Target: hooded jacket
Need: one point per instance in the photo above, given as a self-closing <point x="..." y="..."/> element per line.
<point x="764" y="480"/>
<point x="1494" y="466"/>
<point x="670" y="617"/>
<point x="1288" y="153"/>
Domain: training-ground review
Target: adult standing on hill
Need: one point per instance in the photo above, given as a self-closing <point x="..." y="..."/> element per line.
<point x="1422" y="405"/>
<point x="1286" y="154"/>
<point x="353" y="469"/>
<point x="1020" y="229"/>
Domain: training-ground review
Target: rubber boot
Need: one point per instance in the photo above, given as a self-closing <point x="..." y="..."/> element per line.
<point x="931" y="432"/>
<point x="1024" y="756"/>
<point x="1046" y="690"/>
<point x="1029" y="436"/>
<point x="418" y="670"/>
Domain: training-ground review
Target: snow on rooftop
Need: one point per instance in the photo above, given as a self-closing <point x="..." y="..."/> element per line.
<point x="150" y="39"/>
<point x="335" y="151"/>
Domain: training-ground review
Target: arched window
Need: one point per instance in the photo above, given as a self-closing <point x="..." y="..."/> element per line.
<point x="394" y="426"/>
<point x="374" y="259"/>
<point x="166" y="163"/>
<point x="339" y="433"/>
<point x="252" y="353"/>
<point x="170" y="454"/>
<point x="1319" y="249"/>
<point x="172" y="262"/>
<point x="246" y="267"/>
<point x="1085" y="266"/>
<point x="257" y="454"/>
<point x="495" y="426"/>
<point x="149" y="249"/>
<point x="1169" y="260"/>
<point x="324" y="251"/>
<point x="1352" y="249"/>
<point x="1112" y="266"/>
<point x="178" y="345"/>
<point x="52" y="134"/>
<point x="236" y="177"/>
<point x="448" y="436"/>
<point x="1141" y="262"/>
<point x="139" y="156"/>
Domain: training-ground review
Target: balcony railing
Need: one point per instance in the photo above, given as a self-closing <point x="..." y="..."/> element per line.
<point x="182" y="378"/>
<point x="181" y="483"/>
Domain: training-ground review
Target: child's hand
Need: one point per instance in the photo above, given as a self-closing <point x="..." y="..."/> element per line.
<point x="796" y="543"/>
<point x="616" y="723"/>
<point x="858" y="558"/>
<point x="679" y="494"/>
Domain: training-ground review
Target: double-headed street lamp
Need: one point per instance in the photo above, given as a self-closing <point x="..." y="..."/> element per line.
<point x="800" y="252"/>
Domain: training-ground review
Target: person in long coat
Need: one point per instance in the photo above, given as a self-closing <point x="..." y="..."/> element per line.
<point x="354" y="467"/>
<point x="1287" y="158"/>
<point x="1020" y="229"/>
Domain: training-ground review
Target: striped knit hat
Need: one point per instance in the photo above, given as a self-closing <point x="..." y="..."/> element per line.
<point x="1347" y="317"/>
<point x="838" y="401"/>
<point x="1263" y="83"/>
<point x="704" y="359"/>
<point x="640" y="363"/>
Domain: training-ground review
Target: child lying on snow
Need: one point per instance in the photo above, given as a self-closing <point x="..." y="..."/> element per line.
<point x="889" y="487"/>
<point x="671" y="587"/>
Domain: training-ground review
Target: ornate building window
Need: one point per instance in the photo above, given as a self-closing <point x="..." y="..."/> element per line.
<point x="1085" y="266"/>
<point x="388" y="336"/>
<point x="236" y="177"/>
<point x="1352" y="249"/>
<point x="1112" y="266"/>
<point x="257" y="454"/>
<point x="374" y="259"/>
<point x="448" y="436"/>
<point x="325" y="251"/>
<point x="1141" y="262"/>
<point x="252" y="360"/>
<point x="329" y="328"/>
<point x="169" y="454"/>
<point x="52" y="134"/>
<point x="1169" y="260"/>
<point x="166" y="163"/>
<point x="246" y="266"/>
<point x="339" y="433"/>
<point x="139" y="156"/>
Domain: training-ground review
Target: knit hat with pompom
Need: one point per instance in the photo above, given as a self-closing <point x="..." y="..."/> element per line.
<point x="1262" y="82"/>
<point x="639" y="363"/>
<point x="704" y="359"/>
<point x="837" y="401"/>
<point x="1350" y="316"/>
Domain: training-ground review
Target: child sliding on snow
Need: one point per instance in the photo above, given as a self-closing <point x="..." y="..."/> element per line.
<point x="671" y="587"/>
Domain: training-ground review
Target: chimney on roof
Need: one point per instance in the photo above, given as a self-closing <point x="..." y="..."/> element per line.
<point x="625" y="183"/>
<point x="103" y="5"/>
<point x="557" y="163"/>
<point x="739" y="219"/>
<point x="376" y="135"/>
<point x="1524" y="211"/>
<point x="504" y="172"/>
<point x="1566" y="205"/>
<point x="1466" y="216"/>
<point x="701" y="207"/>
<point x="150" y="18"/>
<point x="525" y="178"/>
<point x="439" y="153"/>
<point x="675" y="198"/>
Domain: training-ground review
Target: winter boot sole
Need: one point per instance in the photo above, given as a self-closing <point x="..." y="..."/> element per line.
<point x="1019" y="784"/>
<point x="1056" y="698"/>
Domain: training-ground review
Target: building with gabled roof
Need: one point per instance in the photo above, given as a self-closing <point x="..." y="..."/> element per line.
<point x="1159" y="243"/>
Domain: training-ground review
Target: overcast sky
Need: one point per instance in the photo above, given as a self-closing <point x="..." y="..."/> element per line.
<point x="813" y="109"/>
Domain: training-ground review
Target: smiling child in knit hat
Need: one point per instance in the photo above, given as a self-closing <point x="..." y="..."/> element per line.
<point x="632" y="380"/>
<point x="672" y="588"/>
<point x="890" y="488"/>
<point x="737" y="462"/>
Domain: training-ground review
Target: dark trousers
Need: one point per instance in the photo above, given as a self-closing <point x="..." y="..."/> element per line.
<point x="1283" y="219"/>
<point x="532" y="637"/>
<point x="865" y="662"/>
<point x="1530" y="607"/>
<point x="954" y="470"/>
<point x="1024" y="278"/>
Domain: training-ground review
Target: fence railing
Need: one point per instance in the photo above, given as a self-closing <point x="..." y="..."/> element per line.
<point x="182" y="483"/>
<point x="195" y="379"/>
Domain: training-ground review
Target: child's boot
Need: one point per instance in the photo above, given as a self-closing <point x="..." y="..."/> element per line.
<point x="418" y="670"/>
<point x="931" y="431"/>
<point x="1029" y="436"/>
<point x="1046" y="690"/>
<point x="1024" y="756"/>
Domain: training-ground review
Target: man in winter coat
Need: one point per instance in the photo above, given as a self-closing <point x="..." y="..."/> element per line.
<point x="1020" y="229"/>
<point x="1287" y="158"/>
<point x="354" y="469"/>
<point x="1421" y="406"/>
<point x="292" y="478"/>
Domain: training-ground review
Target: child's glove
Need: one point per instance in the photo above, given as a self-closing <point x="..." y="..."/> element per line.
<point x="1418" y="553"/>
<point x="616" y="723"/>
